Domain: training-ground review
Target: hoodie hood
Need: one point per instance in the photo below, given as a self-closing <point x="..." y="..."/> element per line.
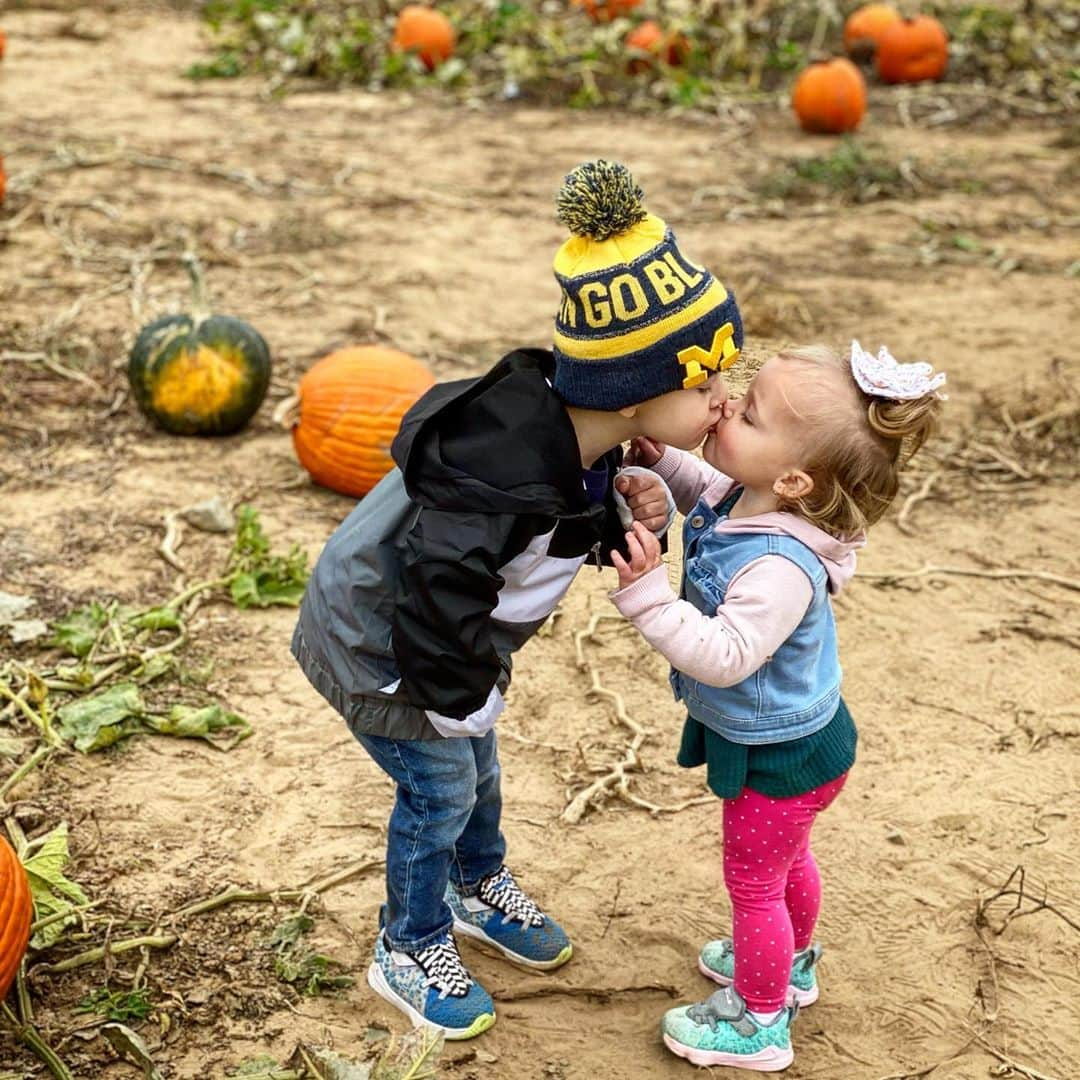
<point x="836" y="555"/>
<point x="501" y="443"/>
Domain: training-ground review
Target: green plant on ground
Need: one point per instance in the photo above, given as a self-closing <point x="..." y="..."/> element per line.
<point x="309" y="971"/>
<point x="114" y="655"/>
<point x="121" y="1005"/>
<point x="851" y="170"/>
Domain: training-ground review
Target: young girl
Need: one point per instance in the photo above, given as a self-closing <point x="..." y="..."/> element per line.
<point x="790" y="481"/>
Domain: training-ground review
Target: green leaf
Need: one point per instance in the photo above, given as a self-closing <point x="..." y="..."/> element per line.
<point x="154" y="668"/>
<point x="130" y="1046"/>
<point x="77" y="632"/>
<point x="51" y="891"/>
<point x="309" y="972"/>
<point x="289" y="931"/>
<point x="191" y="722"/>
<point x="117" y="1004"/>
<point x="265" y="589"/>
<point x="260" y="579"/>
<point x="95" y="722"/>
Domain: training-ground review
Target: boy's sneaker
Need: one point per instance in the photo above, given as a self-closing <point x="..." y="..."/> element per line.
<point x="717" y="962"/>
<point x="720" y="1031"/>
<point x="432" y="987"/>
<point x="507" y="918"/>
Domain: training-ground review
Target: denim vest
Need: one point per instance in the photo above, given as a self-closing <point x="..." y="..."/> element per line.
<point x="797" y="690"/>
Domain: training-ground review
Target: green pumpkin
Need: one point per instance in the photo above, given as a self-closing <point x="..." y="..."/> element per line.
<point x="199" y="374"/>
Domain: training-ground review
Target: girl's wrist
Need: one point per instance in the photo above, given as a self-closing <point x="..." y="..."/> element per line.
<point x="647" y="591"/>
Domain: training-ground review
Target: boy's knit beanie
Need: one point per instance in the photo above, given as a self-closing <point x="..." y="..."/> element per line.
<point x="637" y="318"/>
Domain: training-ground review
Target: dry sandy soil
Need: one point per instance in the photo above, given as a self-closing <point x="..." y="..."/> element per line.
<point x="329" y="218"/>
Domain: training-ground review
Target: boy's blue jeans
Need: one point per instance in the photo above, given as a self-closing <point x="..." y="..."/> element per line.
<point x="444" y="827"/>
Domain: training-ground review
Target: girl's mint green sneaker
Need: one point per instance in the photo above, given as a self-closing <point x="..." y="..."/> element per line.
<point x="717" y="962"/>
<point x="720" y="1031"/>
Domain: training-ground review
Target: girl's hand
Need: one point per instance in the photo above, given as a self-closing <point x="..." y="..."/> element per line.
<point x="644" y="451"/>
<point x="647" y="497"/>
<point x="644" y="550"/>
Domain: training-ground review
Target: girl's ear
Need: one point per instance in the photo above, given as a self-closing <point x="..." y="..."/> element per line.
<point x="629" y="412"/>
<point x="793" y="485"/>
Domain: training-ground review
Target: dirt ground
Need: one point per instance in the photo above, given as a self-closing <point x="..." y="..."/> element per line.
<point x="328" y="218"/>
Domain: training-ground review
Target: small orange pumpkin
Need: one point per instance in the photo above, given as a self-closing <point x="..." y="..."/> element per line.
<point x="349" y="409"/>
<point x="606" y="10"/>
<point x="912" y="50"/>
<point x="830" y="96"/>
<point x="426" y="32"/>
<point x="3" y="44"/>
<point x="649" y="37"/>
<point x="16" y="914"/>
<point x="864" y="27"/>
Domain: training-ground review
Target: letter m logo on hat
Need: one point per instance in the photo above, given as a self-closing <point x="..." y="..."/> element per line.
<point x="721" y="356"/>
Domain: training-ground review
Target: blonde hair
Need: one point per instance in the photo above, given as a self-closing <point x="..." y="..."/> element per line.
<point x="857" y="446"/>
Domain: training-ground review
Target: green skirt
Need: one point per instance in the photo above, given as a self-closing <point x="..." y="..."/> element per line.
<point x="778" y="770"/>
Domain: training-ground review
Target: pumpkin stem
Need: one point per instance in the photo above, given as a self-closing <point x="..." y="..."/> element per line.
<point x="287" y="412"/>
<point x="200" y="307"/>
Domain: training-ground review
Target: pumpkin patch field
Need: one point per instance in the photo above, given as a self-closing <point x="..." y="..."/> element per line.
<point x="237" y="239"/>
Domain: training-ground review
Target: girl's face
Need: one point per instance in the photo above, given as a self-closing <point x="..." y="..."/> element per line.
<point x="765" y="437"/>
<point x="684" y="417"/>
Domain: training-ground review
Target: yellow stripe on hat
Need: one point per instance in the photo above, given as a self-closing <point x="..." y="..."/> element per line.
<point x="581" y="255"/>
<point x="609" y="348"/>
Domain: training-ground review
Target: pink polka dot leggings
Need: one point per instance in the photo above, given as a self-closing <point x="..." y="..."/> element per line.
<point x="774" y="886"/>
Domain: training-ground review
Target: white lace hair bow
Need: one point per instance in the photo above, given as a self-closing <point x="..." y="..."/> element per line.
<point x="884" y="376"/>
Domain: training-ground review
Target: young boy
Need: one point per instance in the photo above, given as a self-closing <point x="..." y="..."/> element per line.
<point x="504" y="488"/>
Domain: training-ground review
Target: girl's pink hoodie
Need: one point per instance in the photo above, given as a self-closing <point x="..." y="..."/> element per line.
<point x="764" y="602"/>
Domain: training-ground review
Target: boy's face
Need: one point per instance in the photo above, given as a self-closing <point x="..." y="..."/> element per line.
<point x="683" y="418"/>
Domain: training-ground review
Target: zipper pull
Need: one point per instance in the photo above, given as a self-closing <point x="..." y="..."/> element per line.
<point x="596" y="556"/>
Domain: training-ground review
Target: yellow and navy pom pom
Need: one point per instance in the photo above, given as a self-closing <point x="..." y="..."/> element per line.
<point x="600" y="199"/>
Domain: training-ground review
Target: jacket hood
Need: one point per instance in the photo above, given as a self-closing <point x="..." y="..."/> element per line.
<point x="836" y="555"/>
<point x="500" y="443"/>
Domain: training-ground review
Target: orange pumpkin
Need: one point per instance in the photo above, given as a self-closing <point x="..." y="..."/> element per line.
<point x="864" y="28"/>
<point x="913" y="50"/>
<point x="426" y="32"/>
<point x="648" y="37"/>
<point x="349" y="409"/>
<point x="3" y="44"/>
<point x="830" y="96"/>
<point x="606" y="10"/>
<point x="16" y="914"/>
<point x="3" y="180"/>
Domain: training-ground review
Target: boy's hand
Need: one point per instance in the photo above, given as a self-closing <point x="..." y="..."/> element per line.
<point x="644" y="451"/>
<point x="647" y="497"/>
<point x="644" y="551"/>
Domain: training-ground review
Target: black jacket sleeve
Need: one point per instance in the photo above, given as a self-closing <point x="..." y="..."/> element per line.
<point x="448" y="588"/>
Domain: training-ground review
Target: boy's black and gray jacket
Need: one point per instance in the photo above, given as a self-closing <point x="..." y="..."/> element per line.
<point x="457" y="557"/>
